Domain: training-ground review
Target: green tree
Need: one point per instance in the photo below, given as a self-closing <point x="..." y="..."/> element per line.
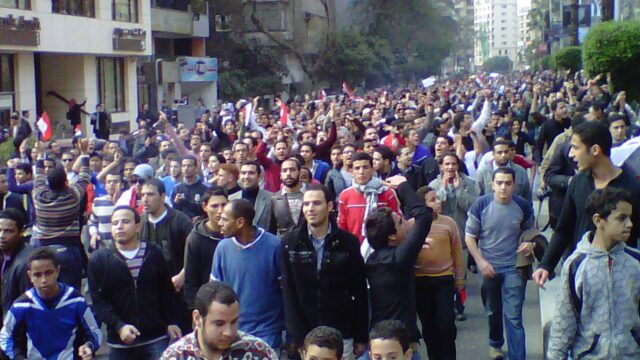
<point x="417" y="33"/>
<point x="612" y="47"/>
<point x="569" y="57"/>
<point x="349" y="58"/>
<point x="499" y="64"/>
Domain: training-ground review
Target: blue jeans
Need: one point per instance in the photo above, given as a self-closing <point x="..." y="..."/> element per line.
<point x="151" y="351"/>
<point x="503" y="296"/>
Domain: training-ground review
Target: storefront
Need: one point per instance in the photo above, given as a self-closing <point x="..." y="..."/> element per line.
<point x="50" y="55"/>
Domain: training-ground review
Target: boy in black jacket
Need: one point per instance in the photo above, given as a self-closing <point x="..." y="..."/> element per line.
<point x="132" y="293"/>
<point x="390" y="268"/>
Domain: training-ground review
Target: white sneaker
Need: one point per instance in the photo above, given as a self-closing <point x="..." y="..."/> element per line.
<point x="495" y="353"/>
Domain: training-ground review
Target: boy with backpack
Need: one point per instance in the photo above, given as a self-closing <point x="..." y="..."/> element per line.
<point x="598" y="306"/>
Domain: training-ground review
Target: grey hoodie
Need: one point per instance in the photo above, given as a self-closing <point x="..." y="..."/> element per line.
<point x="608" y="326"/>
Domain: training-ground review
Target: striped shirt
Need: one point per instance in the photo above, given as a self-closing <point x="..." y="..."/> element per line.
<point x="100" y="219"/>
<point x="134" y="263"/>
<point x="58" y="212"/>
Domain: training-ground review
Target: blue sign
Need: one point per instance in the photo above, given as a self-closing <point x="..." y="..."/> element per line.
<point x="197" y="69"/>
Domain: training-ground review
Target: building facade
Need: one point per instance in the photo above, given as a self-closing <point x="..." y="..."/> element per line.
<point x="496" y="28"/>
<point x="84" y="50"/>
<point x="300" y="24"/>
<point x="179" y="72"/>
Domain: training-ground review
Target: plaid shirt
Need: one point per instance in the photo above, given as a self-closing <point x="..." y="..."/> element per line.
<point x="246" y="347"/>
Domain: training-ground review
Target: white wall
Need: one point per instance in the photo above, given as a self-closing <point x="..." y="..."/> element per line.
<point x="77" y="34"/>
<point x="25" y="87"/>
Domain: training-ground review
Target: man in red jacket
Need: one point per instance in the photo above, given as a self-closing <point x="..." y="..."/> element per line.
<point x="365" y="195"/>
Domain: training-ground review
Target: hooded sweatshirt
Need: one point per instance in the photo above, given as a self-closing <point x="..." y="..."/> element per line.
<point x="201" y="244"/>
<point x="607" y="326"/>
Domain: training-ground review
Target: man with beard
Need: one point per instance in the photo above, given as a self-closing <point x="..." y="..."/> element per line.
<point x="215" y="334"/>
<point x="287" y="204"/>
<point x="259" y="198"/>
<point x="272" y="166"/>
<point x="202" y="242"/>
<point x="365" y="195"/>
<point x="503" y="151"/>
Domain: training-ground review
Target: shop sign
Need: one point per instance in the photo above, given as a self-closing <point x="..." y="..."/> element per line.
<point x="129" y="39"/>
<point x="19" y="31"/>
<point x="196" y="69"/>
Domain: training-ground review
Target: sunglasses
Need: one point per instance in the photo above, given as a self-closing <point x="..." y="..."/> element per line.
<point x="137" y="181"/>
<point x="67" y="160"/>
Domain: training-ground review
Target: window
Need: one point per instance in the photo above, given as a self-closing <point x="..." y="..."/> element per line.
<point x="125" y="10"/>
<point x="16" y="4"/>
<point x="111" y="83"/>
<point x="182" y="5"/>
<point x="272" y="16"/>
<point x="74" y="7"/>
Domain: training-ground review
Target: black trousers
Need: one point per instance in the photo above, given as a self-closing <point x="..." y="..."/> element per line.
<point x="434" y="304"/>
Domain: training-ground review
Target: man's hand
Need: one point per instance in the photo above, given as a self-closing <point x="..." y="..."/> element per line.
<point x="39" y="148"/>
<point x="395" y="181"/>
<point x="486" y="269"/>
<point x="179" y="197"/>
<point x="540" y="277"/>
<point x="178" y="281"/>
<point x="174" y="332"/>
<point x="526" y="248"/>
<point x="85" y="352"/>
<point x="162" y="118"/>
<point x="358" y="349"/>
<point x="456" y="181"/>
<point x="93" y="243"/>
<point x="84" y="146"/>
<point x="117" y="156"/>
<point x="128" y="334"/>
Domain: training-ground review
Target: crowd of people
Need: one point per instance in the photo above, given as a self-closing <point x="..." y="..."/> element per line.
<point x="327" y="228"/>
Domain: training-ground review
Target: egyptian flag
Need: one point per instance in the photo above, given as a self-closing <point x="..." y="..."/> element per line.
<point x="323" y="95"/>
<point x="349" y="92"/>
<point x="284" y="115"/>
<point x="44" y="127"/>
<point x="249" y="115"/>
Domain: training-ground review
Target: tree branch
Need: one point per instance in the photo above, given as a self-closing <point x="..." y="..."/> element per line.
<point x="308" y="70"/>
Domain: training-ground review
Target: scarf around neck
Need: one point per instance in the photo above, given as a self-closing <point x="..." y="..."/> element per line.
<point x="370" y="190"/>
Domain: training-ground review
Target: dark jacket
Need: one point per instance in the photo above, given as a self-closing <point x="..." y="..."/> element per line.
<point x="548" y="131"/>
<point x="15" y="281"/>
<point x="12" y="201"/>
<point x="143" y="152"/>
<point x="336" y="296"/>
<point x="149" y="304"/>
<point x="23" y="132"/>
<point x="560" y="170"/>
<point x="101" y="122"/>
<point x="170" y="234"/>
<point x="282" y="222"/>
<point x="191" y="204"/>
<point x="574" y="221"/>
<point x="198" y="259"/>
<point x="390" y="270"/>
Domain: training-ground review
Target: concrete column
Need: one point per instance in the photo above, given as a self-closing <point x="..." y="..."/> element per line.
<point x="25" y="84"/>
